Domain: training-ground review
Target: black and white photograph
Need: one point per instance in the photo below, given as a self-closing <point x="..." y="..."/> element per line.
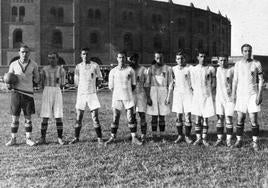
<point x="133" y="93"/>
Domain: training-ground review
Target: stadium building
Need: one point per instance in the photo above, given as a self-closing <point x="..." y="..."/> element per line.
<point x="106" y="26"/>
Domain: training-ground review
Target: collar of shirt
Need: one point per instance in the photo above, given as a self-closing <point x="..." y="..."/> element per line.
<point x="121" y="68"/>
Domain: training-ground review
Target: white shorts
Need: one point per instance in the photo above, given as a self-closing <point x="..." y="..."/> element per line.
<point x="121" y="104"/>
<point x="247" y="104"/>
<point x="140" y="101"/>
<point x="224" y="108"/>
<point x="52" y="105"/>
<point x="158" y="96"/>
<point x="90" y="100"/>
<point x="182" y="103"/>
<point x="203" y="106"/>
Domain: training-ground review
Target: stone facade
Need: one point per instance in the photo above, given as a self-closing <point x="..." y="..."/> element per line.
<point x="106" y="26"/>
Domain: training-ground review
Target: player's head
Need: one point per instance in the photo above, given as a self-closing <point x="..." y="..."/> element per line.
<point x="134" y="59"/>
<point x="84" y="53"/>
<point x="121" y="57"/>
<point x="201" y="56"/>
<point x="24" y="52"/>
<point x="53" y="58"/>
<point x="158" y="57"/>
<point x="246" y="50"/>
<point x="223" y="60"/>
<point x="180" y="58"/>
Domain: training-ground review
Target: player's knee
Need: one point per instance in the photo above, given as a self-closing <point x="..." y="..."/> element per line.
<point x="198" y="120"/>
<point x="15" y="123"/>
<point x="114" y="125"/>
<point x="254" y="124"/>
<point x="78" y="124"/>
<point x="142" y="116"/>
<point x="28" y="125"/>
<point x="188" y="117"/>
<point x="179" y="120"/>
<point x="96" y="125"/>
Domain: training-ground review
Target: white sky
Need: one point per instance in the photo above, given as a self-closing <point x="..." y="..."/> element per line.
<point x="249" y="20"/>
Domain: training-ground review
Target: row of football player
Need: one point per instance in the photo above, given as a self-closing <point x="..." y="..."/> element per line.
<point x="142" y="91"/>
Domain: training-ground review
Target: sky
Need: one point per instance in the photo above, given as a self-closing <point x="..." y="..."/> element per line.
<point x="249" y="20"/>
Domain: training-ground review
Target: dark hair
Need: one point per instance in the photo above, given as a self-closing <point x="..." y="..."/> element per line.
<point x="246" y="45"/>
<point x="84" y="49"/>
<point x="134" y="56"/>
<point x="200" y="51"/>
<point x="180" y="52"/>
<point x="158" y="52"/>
<point x="54" y="53"/>
<point x="123" y="53"/>
<point x="223" y="55"/>
<point x="23" y="46"/>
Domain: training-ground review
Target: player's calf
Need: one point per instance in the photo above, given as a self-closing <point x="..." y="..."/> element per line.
<point x="220" y="130"/>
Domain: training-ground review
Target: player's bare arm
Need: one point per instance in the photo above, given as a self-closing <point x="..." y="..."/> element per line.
<point x="260" y="89"/>
<point x="234" y="85"/>
<point x="76" y="76"/>
<point x="170" y="89"/>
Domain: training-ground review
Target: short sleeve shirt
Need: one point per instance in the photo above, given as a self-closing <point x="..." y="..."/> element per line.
<point x="246" y="74"/>
<point x="86" y="75"/>
<point x="224" y="78"/>
<point x="182" y="82"/>
<point x="201" y="78"/>
<point x="159" y="76"/>
<point x="52" y="77"/>
<point x="140" y="79"/>
<point x="121" y="81"/>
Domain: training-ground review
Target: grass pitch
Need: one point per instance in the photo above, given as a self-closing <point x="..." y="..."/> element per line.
<point x="121" y="164"/>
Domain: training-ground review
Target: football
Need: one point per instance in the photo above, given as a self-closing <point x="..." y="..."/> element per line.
<point x="11" y="78"/>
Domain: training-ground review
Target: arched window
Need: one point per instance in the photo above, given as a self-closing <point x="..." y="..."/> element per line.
<point x="60" y="14"/>
<point x="94" y="39"/>
<point x="22" y="11"/>
<point x="200" y="44"/>
<point x="90" y="13"/>
<point x="97" y="14"/>
<point x="128" y="42"/>
<point x="214" y="49"/>
<point x="14" y="11"/>
<point x="56" y="39"/>
<point x="181" y="43"/>
<point x="157" y="42"/>
<point x="17" y="38"/>
<point x="53" y="11"/>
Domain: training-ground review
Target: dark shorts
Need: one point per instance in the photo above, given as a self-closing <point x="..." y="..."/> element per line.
<point x="20" y="101"/>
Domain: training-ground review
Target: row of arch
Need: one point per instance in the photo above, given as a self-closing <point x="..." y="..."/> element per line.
<point x="17" y="13"/>
<point x="94" y="14"/>
<point x="56" y="40"/>
<point x="94" y="38"/>
<point x="57" y="14"/>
